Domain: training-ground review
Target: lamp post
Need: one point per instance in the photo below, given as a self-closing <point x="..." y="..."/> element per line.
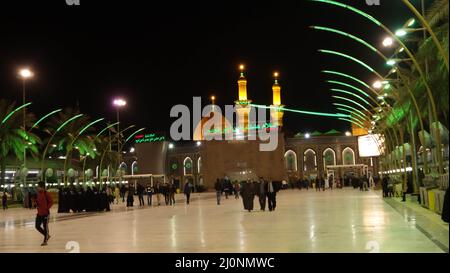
<point x="118" y="103"/>
<point x="24" y="74"/>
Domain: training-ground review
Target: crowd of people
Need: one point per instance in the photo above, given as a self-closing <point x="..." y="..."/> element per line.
<point x="248" y="190"/>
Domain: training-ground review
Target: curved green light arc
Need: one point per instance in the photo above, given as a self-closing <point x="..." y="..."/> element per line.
<point x="349" y="86"/>
<point x="133" y="134"/>
<point x="351" y="113"/>
<point x="351" y="121"/>
<point x="14" y="111"/>
<point x="45" y="117"/>
<point x="346" y="76"/>
<point x="352" y="101"/>
<point x="371" y="18"/>
<point x="106" y="128"/>
<point x="299" y="111"/>
<point x="89" y="125"/>
<point x="68" y="121"/>
<point x="349" y="107"/>
<point x="359" y="40"/>
<point x="351" y="94"/>
<point x="352" y="59"/>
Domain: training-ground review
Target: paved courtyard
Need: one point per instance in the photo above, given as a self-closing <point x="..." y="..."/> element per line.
<point x="344" y="220"/>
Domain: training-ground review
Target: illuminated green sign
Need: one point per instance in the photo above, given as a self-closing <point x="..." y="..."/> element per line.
<point x="247" y="128"/>
<point x="145" y="138"/>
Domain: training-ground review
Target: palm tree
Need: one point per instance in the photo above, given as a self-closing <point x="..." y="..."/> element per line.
<point x="13" y="139"/>
<point x="68" y="137"/>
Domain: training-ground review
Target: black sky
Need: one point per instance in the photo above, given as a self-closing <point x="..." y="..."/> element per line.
<point x="158" y="54"/>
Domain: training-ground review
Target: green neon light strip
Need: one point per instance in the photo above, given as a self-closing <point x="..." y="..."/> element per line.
<point x="350" y="8"/>
<point x="356" y="120"/>
<point x="351" y="112"/>
<point x="299" y="111"/>
<point x="106" y="128"/>
<point x="44" y="117"/>
<point x="349" y="107"/>
<point x="342" y="98"/>
<point x="350" y="58"/>
<point x="349" y="86"/>
<point x="346" y="35"/>
<point x="14" y="111"/>
<point x="68" y="121"/>
<point x="133" y="134"/>
<point x="351" y="121"/>
<point x="346" y="76"/>
<point x="350" y="93"/>
<point x="89" y="125"/>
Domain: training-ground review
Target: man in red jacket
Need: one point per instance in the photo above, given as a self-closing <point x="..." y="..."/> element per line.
<point x="43" y="204"/>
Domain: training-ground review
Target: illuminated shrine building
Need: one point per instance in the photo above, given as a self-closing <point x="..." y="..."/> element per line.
<point x="202" y="161"/>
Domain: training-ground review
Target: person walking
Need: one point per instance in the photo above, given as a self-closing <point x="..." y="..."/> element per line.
<point x="187" y="191"/>
<point x="172" y="190"/>
<point x="149" y="195"/>
<point x="262" y="193"/>
<point x="158" y="193"/>
<point x="117" y="193"/>
<point x="43" y="204"/>
<point x="123" y="190"/>
<point x="248" y="194"/>
<point x="4" y="201"/>
<point x="130" y="196"/>
<point x="218" y="188"/>
<point x="330" y="182"/>
<point x="140" y="192"/>
<point x="271" y="196"/>
<point x="237" y="187"/>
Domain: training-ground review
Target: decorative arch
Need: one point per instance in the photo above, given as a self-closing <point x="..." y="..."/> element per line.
<point x="310" y="160"/>
<point x="187" y="166"/>
<point x="348" y="156"/>
<point x="123" y="166"/>
<point x="290" y="161"/>
<point x="329" y="157"/>
<point x="199" y="165"/>
<point x="134" y="167"/>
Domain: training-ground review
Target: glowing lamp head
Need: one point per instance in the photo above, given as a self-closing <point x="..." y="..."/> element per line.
<point x="377" y="85"/>
<point x="401" y="32"/>
<point x="387" y="42"/>
<point x="198" y="143"/>
<point x="307" y="135"/>
<point x="275" y="75"/>
<point x="348" y="134"/>
<point x="171" y="146"/>
<point x="119" y="102"/>
<point x="241" y="67"/>
<point x="25" y="73"/>
<point x="410" y="22"/>
<point x="132" y="150"/>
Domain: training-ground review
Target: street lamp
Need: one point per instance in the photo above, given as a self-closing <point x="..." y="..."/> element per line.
<point x="25" y="74"/>
<point x="307" y="135"/>
<point x="377" y="85"/>
<point x="388" y="41"/>
<point x="118" y="103"/>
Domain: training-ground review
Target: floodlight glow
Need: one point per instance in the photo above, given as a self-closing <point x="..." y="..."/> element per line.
<point x="307" y="135"/>
<point x="391" y="62"/>
<point x="171" y="145"/>
<point x="25" y="73"/>
<point x="377" y="85"/>
<point x="388" y="42"/>
<point x="119" y="102"/>
<point x="348" y="134"/>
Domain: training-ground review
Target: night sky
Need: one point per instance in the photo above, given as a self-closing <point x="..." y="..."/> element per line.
<point x="158" y="55"/>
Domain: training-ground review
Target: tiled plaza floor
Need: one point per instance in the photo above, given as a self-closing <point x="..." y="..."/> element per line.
<point x="344" y="220"/>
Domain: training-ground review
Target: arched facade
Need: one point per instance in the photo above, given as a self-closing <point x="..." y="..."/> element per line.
<point x="348" y="156"/>
<point x="290" y="161"/>
<point x="309" y="160"/>
<point x="329" y="157"/>
<point x="187" y="166"/>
